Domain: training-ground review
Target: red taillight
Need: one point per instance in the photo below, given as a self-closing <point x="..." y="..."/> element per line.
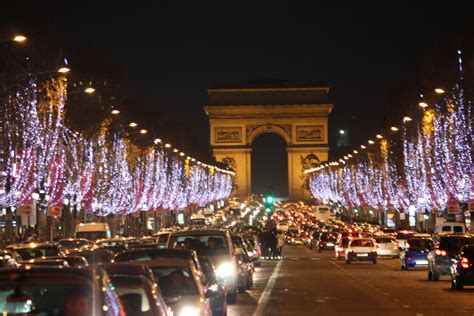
<point x="465" y="263"/>
<point x="440" y="252"/>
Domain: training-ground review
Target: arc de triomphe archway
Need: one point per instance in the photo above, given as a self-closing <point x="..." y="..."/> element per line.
<point x="298" y="114"/>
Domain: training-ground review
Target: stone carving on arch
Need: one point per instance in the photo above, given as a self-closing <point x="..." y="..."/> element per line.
<point x="255" y="130"/>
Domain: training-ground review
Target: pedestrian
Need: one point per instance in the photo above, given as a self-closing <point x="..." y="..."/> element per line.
<point x="280" y="243"/>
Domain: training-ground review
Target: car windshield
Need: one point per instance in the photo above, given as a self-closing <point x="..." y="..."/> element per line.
<point x="46" y="298"/>
<point x="454" y="244"/>
<point x="384" y="240"/>
<point x="205" y="245"/>
<point x="420" y="245"/>
<point x="362" y="243"/>
<point x="32" y="253"/>
<point x="73" y="244"/>
<point x="92" y="235"/>
<point x="175" y="281"/>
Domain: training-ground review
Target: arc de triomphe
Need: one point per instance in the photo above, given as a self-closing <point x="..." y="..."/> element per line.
<point x="298" y="114"/>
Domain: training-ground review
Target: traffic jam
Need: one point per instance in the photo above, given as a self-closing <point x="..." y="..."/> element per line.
<point x="206" y="266"/>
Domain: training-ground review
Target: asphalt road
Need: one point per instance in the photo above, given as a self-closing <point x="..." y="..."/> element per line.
<point x="311" y="283"/>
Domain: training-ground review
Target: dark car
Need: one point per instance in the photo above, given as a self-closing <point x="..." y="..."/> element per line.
<point x="95" y="256"/>
<point x="325" y="241"/>
<point x="73" y="261"/>
<point x="449" y="246"/>
<point x="462" y="268"/>
<point x="114" y="245"/>
<point x="415" y="254"/>
<point x="72" y="244"/>
<point x="218" y="301"/>
<point x="9" y="260"/>
<point x="139" y="295"/>
<point x="53" y="291"/>
<point x="36" y="250"/>
<point x="129" y="269"/>
<point x="44" y="262"/>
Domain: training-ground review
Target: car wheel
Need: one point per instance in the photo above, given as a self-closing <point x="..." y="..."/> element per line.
<point x="404" y="267"/>
<point x="430" y="275"/>
<point x="458" y="284"/>
<point x="374" y="261"/>
<point x="348" y="261"/>
<point x="435" y="276"/>
<point x="232" y="297"/>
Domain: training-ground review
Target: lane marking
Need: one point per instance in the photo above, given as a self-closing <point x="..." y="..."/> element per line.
<point x="406" y="306"/>
<point x="262" y="302"/>
<point x="335" y="264"/>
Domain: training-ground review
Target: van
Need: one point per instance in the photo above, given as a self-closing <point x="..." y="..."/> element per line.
<point x="93" y="231"/>
<point x="450" y="227"/>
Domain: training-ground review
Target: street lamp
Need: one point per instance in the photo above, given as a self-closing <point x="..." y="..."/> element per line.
<point x="423" y="104"/>
<point x="115" y="112"/>
<point x="393" y="128"/>
<point x="64" y="70"/>
<point x="133" y="124"/>
<point x="379" y="136"/>
<point x="407" y="119"/>
<point x="143" y="131"/>
<point x="167" y="145"/>
<point x="363" y="147"/>
<point x="19" y="38"/>
<point x="371" y="142"/>
<point x="89" y="90"/>
<point x="341" y="132"/>
<point x="157" y="141"/>
<point x="439" y="91"/>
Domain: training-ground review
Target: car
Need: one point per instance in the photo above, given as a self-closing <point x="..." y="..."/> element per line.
<point x="387" y="246"/>
<point x="94" y="256"/>
<point x="448" y="246"/>
<point x="126" y="268"/>
<point x="361" y="249"/>
<point x="137" y="255"/>
<point x="93" y="231"/>
<point x="218" y="301"/>
<point x="341" y="247"/>
<point x="244" y="263"/>
<point x="180" y="285"/>
<point x="139" y="296"/>
<point x="36" y="250"/>
<point x="115" y="245"/>
<point x="462" y="268"/>
<point x="415" y="253"/>
<point x="72" y="244"/>
<point x="216" y="245"/>
<point x="53" y="291"/>
<point x="325" y="241"/>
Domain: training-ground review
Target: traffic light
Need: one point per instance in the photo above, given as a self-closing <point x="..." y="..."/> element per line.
<point x="269" y="203"/>
<point x="427" y="215"/>
<point x="270" y="199"/>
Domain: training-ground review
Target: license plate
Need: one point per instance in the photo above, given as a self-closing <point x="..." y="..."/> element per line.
<point x="362" y="255"/>
<point x="330" y="244"/>
<point x="421" y="261"/>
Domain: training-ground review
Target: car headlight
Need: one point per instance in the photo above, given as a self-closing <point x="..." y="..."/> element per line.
<point x="189" y="311"/>
<point x="225" y="270"/>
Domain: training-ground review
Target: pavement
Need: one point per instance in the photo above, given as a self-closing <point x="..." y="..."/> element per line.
<point x="309" y="283"/>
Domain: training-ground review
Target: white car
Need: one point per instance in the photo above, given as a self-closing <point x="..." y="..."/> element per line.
<point x="387" y="246"/>
<point x="361" y="249"/>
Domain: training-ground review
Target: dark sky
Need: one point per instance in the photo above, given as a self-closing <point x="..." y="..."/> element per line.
<point x="173" y="50"/>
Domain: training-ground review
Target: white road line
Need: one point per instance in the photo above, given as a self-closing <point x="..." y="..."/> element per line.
<point x="262" y="302"/>
<point x="335" y="264"/>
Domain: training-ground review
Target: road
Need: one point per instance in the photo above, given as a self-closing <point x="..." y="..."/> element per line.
<point x="311" y="283"/>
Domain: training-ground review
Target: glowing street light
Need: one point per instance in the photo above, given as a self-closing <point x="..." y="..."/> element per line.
<point x="371" y="142"/>
<point x="64" y="70"/>
<point x="379" y="136"/>
<point x="115" y="112"/>
<point x="19" y="38"/>
<point x="133" y="124"/>
<point x="181" y="154"/>
<point x="175" y="150"/>
<point x="393" y="128"/>
<point x="407" y="119"/>
<point x="355" y="151"/>
<point x="342" y="132"/>
<point x="423" y="104"/>
<point x="439" y="91"/>
<point x="363" y="147"/>
<point x="349" y="155"/>
<point x="157" y="141"/>
<point x="167" y="145"/>
<point x="89" y="90"/>
<point x="143" y="131"/>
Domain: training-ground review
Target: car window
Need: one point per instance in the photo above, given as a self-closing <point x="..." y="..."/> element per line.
<point x="175" y="281"/>
<point x="420" y="245"/>
<point x="446" y="228"/>
<point x="32" y="253"/>
<point x="384" y="240"/>
<point x="205" y="245"/>
<point x="457" y="229"/>
<point x="405" y="235"/>
<point x="163" y="238"/>
<point x="453" y="244"/>
<point x="362" y="243"/>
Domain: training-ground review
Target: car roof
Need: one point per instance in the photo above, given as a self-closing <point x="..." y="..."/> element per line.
<point x="129" y="268"/>
<point x="158" y="253"/>
<point x="59" y="272"/>
<point x="169" y="263"/>
<point x="200" y="232"/>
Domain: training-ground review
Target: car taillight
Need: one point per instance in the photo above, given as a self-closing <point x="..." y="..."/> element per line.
<point x="440" y="252"/>
<point x="465" y="263"/>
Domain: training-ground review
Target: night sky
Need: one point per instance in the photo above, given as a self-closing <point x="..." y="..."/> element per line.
<point x="171" y="51"/>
